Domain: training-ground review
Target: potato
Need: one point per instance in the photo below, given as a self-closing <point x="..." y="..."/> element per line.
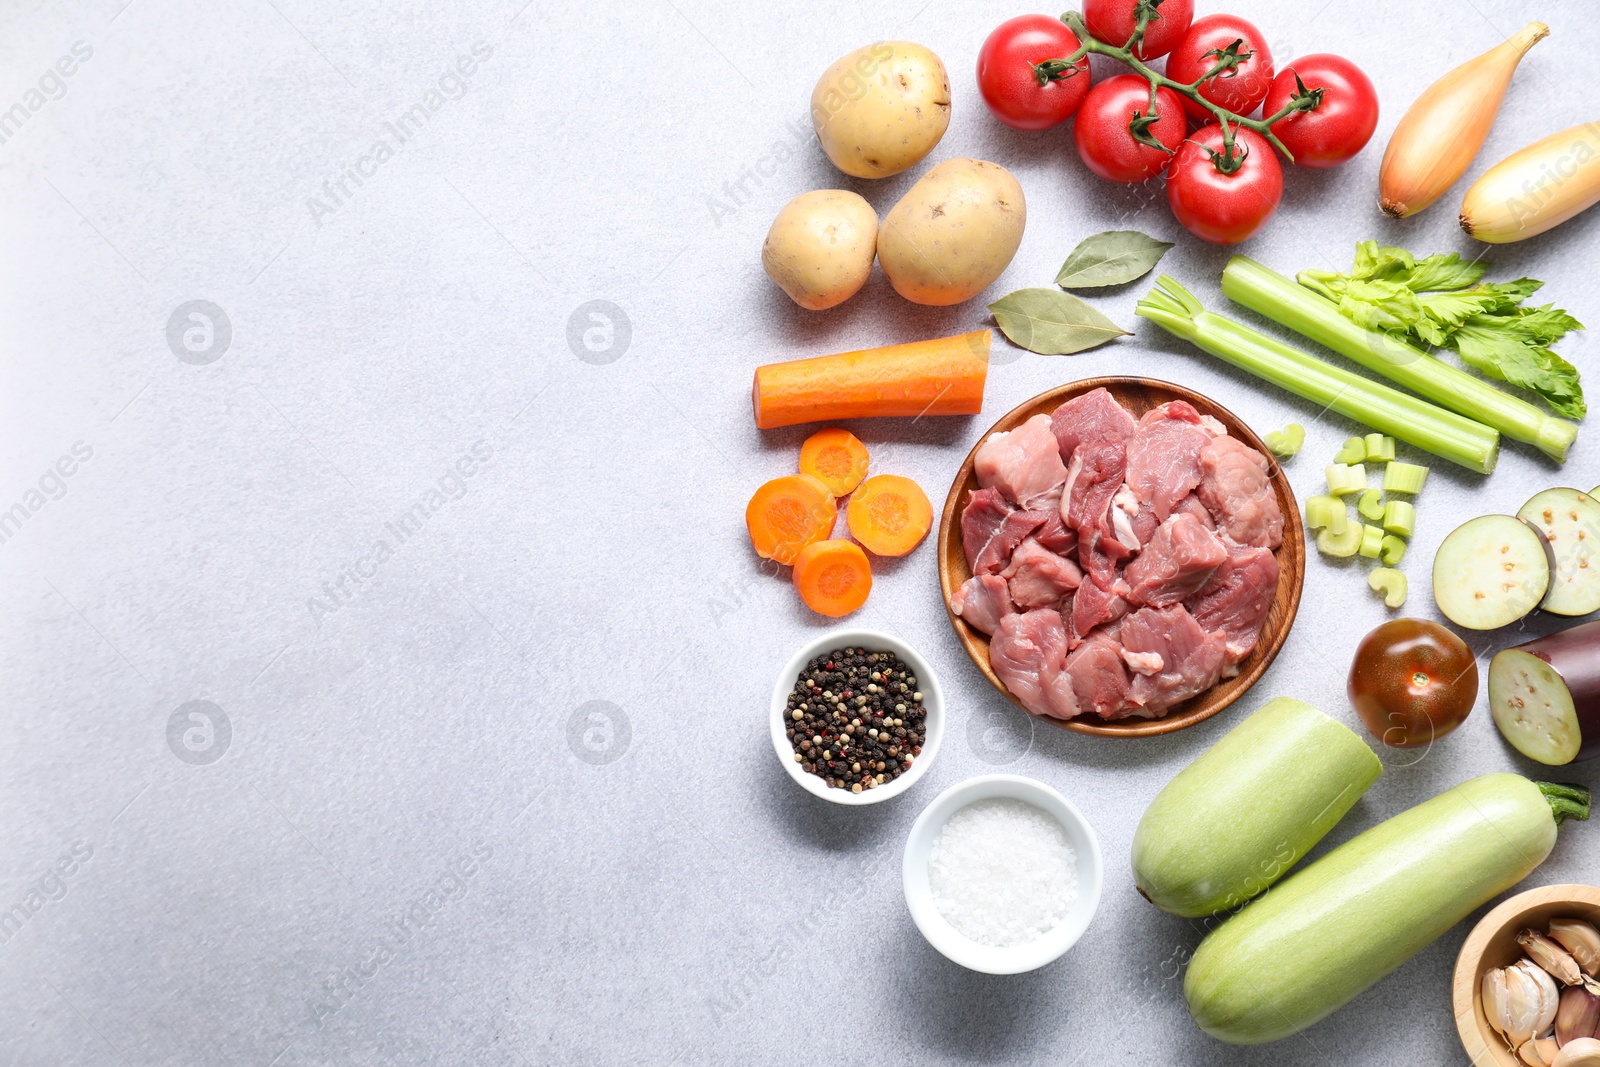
<point x="820" y="247"/>
<point x="953" y="232"/>
<point x="882" y="108"/>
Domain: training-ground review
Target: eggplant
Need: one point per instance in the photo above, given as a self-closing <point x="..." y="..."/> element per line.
<point x="1545" y="695"/>
<point x="1491" y="571"/>
<point x="1570" y="523"/>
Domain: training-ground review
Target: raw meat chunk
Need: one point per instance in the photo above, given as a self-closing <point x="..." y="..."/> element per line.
<point x="1234" y="488"/>
<point x="1055" y="535"/>
<point x="1179" y="560"/>
<point x="1096" y="679"/>
<point x="1024" y="464"/>
<point x="1025" y="651"/>
<point x="1093" y="605"/>
<point x="1191" y="505"/>
<point x="1038" y="577"/>
<point x="1191" y="659"/>
<point x="1164" y="456"/>
<point x="1092" y="480"/>
<point x="992" y="528"/>
<point x="1235" y="601"/>
<point x="983" y="600"/>
<point x="1094" y="416"/>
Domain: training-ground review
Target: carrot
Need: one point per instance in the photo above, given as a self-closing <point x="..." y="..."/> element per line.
<point x="942" y="376"/>
<point x="889" y="514"/>
<point x="789" y="513"/>
<point x="833" y="577"/>
<point x="835" y="457"/>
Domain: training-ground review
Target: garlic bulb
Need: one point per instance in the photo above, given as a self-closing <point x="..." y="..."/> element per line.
<point x="1520" y="1001"/>
<point x="1440" y="134"/>
<point x="1551" y="956"/>
<point x="1580" y="939"/>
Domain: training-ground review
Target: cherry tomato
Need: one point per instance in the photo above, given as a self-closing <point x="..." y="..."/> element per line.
<point x="1105" y="140"/>
<point x="1342" y="122"/>
<point x="1241" y="89"/>
<point x="1220" y="206"/>
<point x="1113" y="21"/>
<point x="1412" y="682"/>
<point x="1007" y="80"/>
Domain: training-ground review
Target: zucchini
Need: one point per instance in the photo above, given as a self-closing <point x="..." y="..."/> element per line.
<point x="1237" y="818"/>
<point x="1343" y="922"/>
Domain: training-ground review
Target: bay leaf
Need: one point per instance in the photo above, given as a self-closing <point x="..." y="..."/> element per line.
<point x="1051" y="322"/>
<point x="1111" y="258"/>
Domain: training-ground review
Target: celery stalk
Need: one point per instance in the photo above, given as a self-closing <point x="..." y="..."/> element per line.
<point x="1404" y="477"/>
<point x="1314" y="316"/>
<point x="1416" y="422"/>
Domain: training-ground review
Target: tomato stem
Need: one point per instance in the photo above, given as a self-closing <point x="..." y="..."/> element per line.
<point x="1228" y="61"/>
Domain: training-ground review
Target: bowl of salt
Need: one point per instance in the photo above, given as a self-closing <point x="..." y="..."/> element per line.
<point x="1002" y="874"/>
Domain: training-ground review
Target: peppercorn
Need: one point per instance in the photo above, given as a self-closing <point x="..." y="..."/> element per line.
<point x="843" y="709"/>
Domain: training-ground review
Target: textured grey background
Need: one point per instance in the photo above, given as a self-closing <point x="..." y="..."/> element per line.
<point x="420" y="841"/>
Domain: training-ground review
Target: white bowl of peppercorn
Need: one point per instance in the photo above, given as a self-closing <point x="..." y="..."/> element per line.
<point x="857" y="716"/>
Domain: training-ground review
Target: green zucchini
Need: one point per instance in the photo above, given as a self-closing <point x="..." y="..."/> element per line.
<point x="1237" y="818"/>
<point x="1337" y="926"/>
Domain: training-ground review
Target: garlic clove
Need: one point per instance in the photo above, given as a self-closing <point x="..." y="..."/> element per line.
<point x="1549" y="995"/>
<point x="1580" y="939"/>
<point x="1525" y="1004"/>
<point x="1551" y="956"/>
<point x="1492" y="995"/>
<point x="1538" y="1051"/>
<point x="1578" y="1015"/>
<point x="1581" y="1052"/>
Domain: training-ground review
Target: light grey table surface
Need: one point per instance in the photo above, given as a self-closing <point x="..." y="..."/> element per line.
<point x="493" y="784"/>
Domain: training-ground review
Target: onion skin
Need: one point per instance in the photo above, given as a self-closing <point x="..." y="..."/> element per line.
<point x="1442" y="132"/>
<point x="1530" y="191"/>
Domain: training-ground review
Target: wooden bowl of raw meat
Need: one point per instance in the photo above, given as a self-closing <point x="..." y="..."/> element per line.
<point x="1138" y="395"/>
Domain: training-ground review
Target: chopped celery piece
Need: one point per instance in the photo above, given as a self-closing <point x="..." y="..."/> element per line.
<point x="1394" y="550"/>
<point x="1391" y="583"/>
<point x="1379" y="447"/>
<point x="1400" y="518"/>
<point x="1344" y="479"/>
<point x="1342" y="545"/>
<point x="1287" y="441"/>
<point x="1404" y="477"/>
<point x="1354" y="451"/>
<point x="1326" y="513"/>
<point x="1371" y="541"/>
<point x="1371" y="505"/>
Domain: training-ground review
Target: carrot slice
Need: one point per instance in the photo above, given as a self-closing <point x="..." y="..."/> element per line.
<point x="942" y="376"/>
<point x="889" y="514"/>
<point x="833" y="577"/>
<point x="789" y="513"/>
<point x="836" y="457"/>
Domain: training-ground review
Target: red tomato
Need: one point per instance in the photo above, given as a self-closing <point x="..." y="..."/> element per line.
<point x="1241" y="89"/>
<point x="1220" y="207"/>
<point x="1339" y="126"/>
<point x="1009" y="84"/>
<point x="1113" y="21"/>
<point x="1105" y="140"/>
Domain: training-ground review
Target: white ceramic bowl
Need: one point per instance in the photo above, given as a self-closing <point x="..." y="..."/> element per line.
<point x="872" y="641"/>
<point x="957" y="946"/>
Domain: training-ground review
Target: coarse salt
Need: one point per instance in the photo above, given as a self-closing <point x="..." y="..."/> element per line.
<point x="1003" y="872"/>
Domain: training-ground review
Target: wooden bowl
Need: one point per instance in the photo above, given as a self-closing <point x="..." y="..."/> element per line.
<point x="1492" y="943"/>
<point x="1138" y="395"/>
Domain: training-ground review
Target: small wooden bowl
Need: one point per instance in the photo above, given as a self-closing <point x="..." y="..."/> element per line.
<point x="1492" y="943"/>
<point x="1138" y="395"/>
